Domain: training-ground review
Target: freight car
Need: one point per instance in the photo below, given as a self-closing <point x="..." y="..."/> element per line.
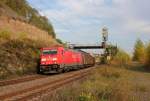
<point x="60" y="59"/>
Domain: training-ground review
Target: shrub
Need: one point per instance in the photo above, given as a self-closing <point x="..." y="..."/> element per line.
<point x="59" y="41"/>
<point x="5" y="34"/>
<point x="122" y="58"/>
<point x="22" y="36"/>
<point x="19" y="56"/>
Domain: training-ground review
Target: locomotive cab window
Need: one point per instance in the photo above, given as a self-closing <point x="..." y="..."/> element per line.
<point x="49" y="52"/>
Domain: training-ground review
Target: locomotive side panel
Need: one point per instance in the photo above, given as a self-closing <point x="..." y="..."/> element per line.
<point x="69" y="60"/>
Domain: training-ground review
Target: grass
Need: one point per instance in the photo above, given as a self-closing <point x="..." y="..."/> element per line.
<point x="107" y="83"/>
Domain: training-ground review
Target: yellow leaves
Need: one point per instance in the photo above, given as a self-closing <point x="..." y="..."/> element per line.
<point x="139" y="52"/>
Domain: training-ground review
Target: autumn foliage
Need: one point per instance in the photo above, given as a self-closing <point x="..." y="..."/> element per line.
<point x="139" y="52"/>
<point x="142" y="53"/>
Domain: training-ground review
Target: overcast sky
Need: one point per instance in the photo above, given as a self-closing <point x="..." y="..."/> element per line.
<point x="80" y="21"/>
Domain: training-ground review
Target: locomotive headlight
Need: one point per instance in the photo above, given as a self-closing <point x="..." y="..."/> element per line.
<point x="54" y="59"/>
<point x="43" y="59"/>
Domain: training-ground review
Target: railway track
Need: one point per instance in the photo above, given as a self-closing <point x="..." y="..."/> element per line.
<point x="38" y="90"/>
<point x="20" y="80"/>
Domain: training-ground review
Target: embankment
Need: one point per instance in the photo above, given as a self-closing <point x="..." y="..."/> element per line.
<point x="19" y="46"/>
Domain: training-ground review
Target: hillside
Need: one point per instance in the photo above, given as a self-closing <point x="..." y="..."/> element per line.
<point x="20" y="9"/>
<point x="21" y="39"/>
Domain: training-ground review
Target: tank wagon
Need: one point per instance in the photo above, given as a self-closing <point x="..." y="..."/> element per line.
<point x="60" y="59"/>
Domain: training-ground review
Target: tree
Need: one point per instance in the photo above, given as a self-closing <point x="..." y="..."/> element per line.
<point x="139" y="51"/>
<point x="59" y="41"/>
<point x="148" y="55"/>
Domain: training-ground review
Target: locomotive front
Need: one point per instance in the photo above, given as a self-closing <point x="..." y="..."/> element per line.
<point x="50" y="60"/>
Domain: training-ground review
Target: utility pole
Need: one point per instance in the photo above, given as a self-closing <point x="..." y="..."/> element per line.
<point x="106" y="55"/>
<point x="104" y="36"/>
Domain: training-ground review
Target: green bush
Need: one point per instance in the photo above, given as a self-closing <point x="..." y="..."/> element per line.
<point x="5" y="34"/>
<point x="59" y="41"/>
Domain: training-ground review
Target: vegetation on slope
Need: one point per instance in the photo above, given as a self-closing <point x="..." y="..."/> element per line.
<point x="22" y="8"/>
<point x="19" y="55"/>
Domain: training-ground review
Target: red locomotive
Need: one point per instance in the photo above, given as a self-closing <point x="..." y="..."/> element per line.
<point x="60" y="59"/>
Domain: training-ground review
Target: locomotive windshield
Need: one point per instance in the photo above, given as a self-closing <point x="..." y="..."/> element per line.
<point x="49" y="52"/>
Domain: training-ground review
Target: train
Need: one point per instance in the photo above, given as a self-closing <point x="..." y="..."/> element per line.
<point x="60" y="59"/>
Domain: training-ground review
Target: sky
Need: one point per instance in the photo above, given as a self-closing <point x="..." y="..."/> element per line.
<point x="81" y="21"/>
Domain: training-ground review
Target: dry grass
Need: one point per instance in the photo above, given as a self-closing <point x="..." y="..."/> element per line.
<point x="106" y="84"/>
<point x="4" y="34"/>
<point x="19" y="28"/>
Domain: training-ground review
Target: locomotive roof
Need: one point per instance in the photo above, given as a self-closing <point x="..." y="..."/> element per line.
<point x="55" y="47"/>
